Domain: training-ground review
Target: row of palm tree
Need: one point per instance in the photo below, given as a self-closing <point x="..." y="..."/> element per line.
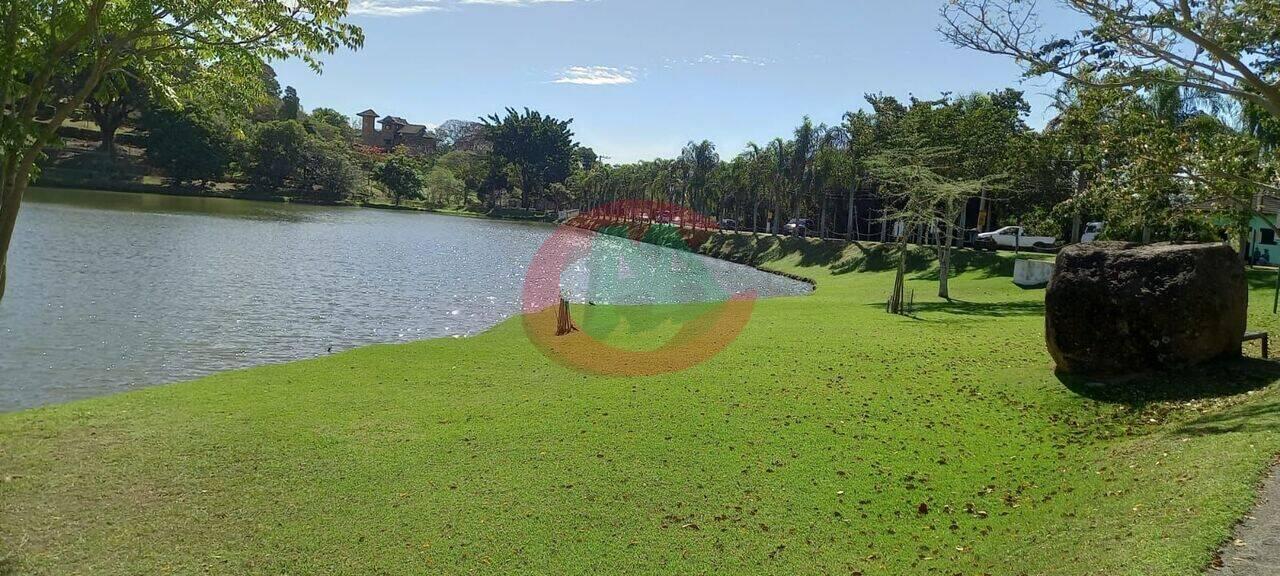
<point x="759" y="188"/>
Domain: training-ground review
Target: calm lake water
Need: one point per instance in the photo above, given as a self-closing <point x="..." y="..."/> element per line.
<point x="110" y="291"/>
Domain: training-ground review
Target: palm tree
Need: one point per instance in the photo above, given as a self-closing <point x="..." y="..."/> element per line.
<point x="698" y="160"/>
<point x="779" y="191"/>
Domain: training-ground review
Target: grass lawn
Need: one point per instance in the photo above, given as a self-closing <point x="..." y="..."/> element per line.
<point x="829" y="438"/>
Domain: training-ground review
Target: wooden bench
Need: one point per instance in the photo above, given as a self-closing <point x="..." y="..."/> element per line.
<point x="1264" y="337"/>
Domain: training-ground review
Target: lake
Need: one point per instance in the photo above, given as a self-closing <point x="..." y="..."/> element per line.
<point x="112" y="291"/>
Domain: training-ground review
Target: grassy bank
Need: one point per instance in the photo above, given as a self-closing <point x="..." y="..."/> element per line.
<point x="829" y="438"/>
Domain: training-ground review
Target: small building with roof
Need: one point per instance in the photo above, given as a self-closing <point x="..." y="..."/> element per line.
<point x="395" y="131"/>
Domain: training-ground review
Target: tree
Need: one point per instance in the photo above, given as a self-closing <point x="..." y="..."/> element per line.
<point x="290" y="105"/>
<point x="401" y="177"/>
<point x="924" y="201"/>
<point x="326" y="172"/>
<point x="185" y="147"/>
<point x="469" y="167"/>
<point x="455" y="134"/>
<point x="88" y="40"/>
<point x="585" y="158"/>
<point x="332" y="124"/>
<point x="539" y="147"/>
<point x="697" y="160"/>
<point x="118" y="95"/>
<point x="444" y="187"/>
<point x="1226" y="47"/>
<point x="274" y="154"/>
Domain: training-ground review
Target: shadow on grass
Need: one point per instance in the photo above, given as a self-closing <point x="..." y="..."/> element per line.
<point x="1260" y="279"/>
<point x="922" y="262"/>
<point x="846" y="257"/>
<point x="1212" y="380"/>
<point x="991" y="309"/>
<point x="1250" y="418"/>
<point x="9" y="566"/>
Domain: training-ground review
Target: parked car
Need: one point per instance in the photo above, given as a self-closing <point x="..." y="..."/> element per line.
<point x="798" y="227"/>
<point x="728" y="224"/>
<point x="1015" y="237"/>
<point x="1092" y="230"/>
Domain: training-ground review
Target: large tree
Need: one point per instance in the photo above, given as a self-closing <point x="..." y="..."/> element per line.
<point x="401" y="177"/>
<point x="117" y="96"/>
<point x="186" y="147"/>
<point x="47" y="42"/>
<point x="1225" y="47"/>
<point x="697" y="161"/>
<point x="539" y="147"/>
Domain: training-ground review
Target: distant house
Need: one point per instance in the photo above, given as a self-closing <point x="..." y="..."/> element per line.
<point x="1263" y="247"/>
<point x="395" y="131"/>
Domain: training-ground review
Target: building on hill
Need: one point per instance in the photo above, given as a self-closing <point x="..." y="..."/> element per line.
<point x="395" y="131"/>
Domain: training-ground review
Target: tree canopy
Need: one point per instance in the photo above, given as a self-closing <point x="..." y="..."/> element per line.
<point x="540" y="147"/>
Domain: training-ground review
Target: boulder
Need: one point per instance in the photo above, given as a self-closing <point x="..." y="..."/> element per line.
<point x="1114" y="308"/>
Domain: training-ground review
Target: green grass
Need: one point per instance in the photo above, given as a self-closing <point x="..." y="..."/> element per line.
<point x="807" y="446"/>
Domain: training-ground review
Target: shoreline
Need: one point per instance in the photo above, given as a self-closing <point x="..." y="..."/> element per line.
<point x="157" y="190"/>
<point x="697" y="248"/>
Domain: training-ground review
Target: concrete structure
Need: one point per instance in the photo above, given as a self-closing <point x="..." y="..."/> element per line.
<point x="396" y="131"/>
<point x="1032" y="272"/>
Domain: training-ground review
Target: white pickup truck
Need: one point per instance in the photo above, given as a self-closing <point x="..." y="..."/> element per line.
<point x="1092" y="230"/>
<point x="1015" y="236"/>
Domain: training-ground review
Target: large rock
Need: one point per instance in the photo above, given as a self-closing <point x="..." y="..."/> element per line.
<point x="1114" y="308"/>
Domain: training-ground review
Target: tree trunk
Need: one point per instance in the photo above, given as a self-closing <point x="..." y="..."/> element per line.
<point x="755" y="215"/>
<point x="944" y="255"/>
<point x="11" y="191"/>
<point x="983" y="217"/>
<point x="896" y="304"/>
<point x="109" y="121"/>
<point x="849" y="226"/>
<point x="822" y="226"/>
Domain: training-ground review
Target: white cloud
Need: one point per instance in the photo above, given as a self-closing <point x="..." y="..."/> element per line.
<point x="732" y="59"/>
<point x="718" y="59"/>
<point x="393" y="7"/>
<point x="409" y="7"/>
<point x="595" y="76"/>
<point x="517" y="2"/>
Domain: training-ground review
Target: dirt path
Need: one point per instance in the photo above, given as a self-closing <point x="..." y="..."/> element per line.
<point x="1255" y="548"/>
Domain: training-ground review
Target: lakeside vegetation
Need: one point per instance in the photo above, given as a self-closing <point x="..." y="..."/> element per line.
<point x="860" y="443"/>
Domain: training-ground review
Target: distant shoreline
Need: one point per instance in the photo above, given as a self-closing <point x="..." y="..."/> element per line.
<point x="186" y="192"/>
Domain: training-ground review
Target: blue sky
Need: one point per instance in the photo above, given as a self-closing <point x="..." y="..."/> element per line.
<point x="642" y="77"/>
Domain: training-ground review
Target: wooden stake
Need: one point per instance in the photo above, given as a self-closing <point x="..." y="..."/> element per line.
<point x="564" y="323"/>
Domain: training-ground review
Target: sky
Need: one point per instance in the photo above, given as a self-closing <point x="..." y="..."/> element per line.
<point x="640" y="78"/>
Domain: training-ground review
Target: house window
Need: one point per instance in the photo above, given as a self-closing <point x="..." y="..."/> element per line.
<point x="1268" y="236"/>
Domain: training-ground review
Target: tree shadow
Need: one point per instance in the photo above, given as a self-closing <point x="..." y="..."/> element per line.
<point x="1264" y="417"/>
<point x="9" y="565"/>
<point x="921" y="261"/>
<point x="843" y="257"/>
<point x="1260" y="279"/>
<point x="989" y="309"/>
<point x="1218" y="379"/>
